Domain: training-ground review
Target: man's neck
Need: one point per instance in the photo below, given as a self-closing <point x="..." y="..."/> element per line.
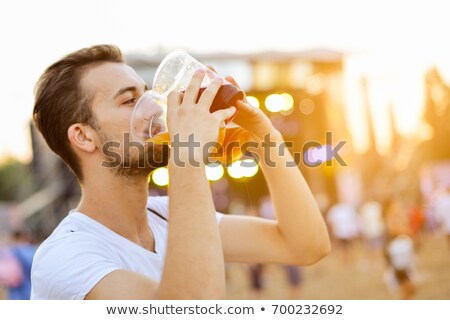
<point x="119" y="203"/>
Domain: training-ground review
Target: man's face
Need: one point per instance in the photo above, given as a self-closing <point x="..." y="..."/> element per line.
<point x="115" y="88"/>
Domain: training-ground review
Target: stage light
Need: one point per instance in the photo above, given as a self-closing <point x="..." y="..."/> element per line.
<point x="274" y="102"/>
<point x="243" y="169"/>
<point x="253" y="101"/>
<point x="160" y="176"/>
<point x="288" y="101"/>
<point x="214" y="172"/>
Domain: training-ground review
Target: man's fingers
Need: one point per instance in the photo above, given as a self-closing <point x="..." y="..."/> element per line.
<point x="244" y="105"/>
<point x="232" y="81"/>
<point x="212" y="68"/>
<point x="174" y="100"/>
<point x="210" y="93"/>
<point x="225" y="114"/>
<point x="246" y="109"/>
<point x="193" y="88"/>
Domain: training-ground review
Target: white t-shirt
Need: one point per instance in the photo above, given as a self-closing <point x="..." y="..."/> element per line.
<point x="81" y="251"/>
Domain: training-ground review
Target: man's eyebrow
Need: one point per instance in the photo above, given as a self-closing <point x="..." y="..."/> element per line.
<point x="131" y="88"/>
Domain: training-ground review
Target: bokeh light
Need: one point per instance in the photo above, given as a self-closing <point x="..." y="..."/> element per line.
<point x="274" y="102"/>
<point x="160" y="176"/>
<point x="250" y="167"/>
<point x="243" y="169"/>
<point x="279" y="102"/>
<point x="288" y="101"/>
<point x="307" y="106"/>
<point x="253" y="101"/>
<point x="214" y="171"/>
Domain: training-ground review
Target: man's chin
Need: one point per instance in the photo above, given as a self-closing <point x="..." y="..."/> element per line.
<point x="131" y="172"/>
<point x="144" y="164"/>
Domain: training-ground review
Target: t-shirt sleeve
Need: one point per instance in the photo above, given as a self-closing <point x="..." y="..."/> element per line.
<point x="161" y="205"/>
<point x="68" y="268"/>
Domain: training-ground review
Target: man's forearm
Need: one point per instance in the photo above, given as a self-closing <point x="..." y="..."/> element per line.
<point x="299" y="218"/>
<point x="194" y="265"/>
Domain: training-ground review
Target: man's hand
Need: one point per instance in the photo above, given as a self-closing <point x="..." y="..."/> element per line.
<point x="186" y="116"/>
<point x="252" y="119"/>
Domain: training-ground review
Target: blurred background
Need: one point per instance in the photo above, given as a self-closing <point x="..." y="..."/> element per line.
<point x="372" y="75"/>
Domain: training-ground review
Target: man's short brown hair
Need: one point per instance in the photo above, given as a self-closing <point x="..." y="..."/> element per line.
<point x="61" y="102"/>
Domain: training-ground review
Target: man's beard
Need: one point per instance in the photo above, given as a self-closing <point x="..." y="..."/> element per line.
<point x="136" y="159"/>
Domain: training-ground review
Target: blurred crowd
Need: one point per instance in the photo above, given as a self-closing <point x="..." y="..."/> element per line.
<point x="16" y="258"/>
<point x="389" y="232"/>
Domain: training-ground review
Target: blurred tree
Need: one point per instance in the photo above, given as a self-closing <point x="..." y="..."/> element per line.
<point x="15" y="180"/>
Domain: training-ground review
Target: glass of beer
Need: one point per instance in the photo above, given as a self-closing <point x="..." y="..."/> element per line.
<point x="148" y="121"/>
<point x="175" y="73"/>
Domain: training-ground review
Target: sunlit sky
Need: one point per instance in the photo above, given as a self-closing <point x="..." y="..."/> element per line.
<point x="391" y="42"/>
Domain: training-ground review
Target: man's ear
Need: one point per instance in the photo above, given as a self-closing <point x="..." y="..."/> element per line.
<point x="82" y="137"/>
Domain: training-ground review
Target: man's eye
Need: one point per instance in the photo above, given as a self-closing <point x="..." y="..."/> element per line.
<point x="130" y="101"/>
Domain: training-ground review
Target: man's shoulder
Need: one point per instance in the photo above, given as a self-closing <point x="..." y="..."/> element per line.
<point x="69" y="262"/>
<point x="67" y="242"/>
<point x="65" y="231"/>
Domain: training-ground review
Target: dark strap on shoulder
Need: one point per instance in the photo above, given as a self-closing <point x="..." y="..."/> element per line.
<point x="156" y="213"/>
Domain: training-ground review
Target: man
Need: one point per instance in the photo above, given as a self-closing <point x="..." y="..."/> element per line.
<point x="111" y="246"/>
